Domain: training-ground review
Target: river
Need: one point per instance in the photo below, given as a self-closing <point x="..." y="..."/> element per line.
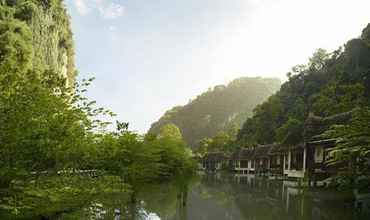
<point x="218" y="197"/>
<point x="231" y="197"/>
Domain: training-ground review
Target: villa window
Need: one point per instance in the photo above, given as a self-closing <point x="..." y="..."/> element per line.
<point x="244" y="164"/>
<point x="319" y="154"/>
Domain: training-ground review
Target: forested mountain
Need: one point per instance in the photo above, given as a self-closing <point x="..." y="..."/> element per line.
<point x="36" y="34"/>
<point x="223" y="108"/>
<point x="330" y="84"/>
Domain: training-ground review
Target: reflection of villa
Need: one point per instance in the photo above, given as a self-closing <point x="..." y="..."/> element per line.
<point x="250" y="195"/>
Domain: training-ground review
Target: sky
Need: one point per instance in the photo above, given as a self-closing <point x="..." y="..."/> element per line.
<point x="151" y="55"/>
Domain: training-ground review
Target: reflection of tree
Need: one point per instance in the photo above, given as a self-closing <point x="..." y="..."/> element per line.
<point x="256" y="201"/>
<point x="167" y="200"/>
<point x="217" y="188"/>
<point x="160" y="199"/>
<point x="211" y="199"/>
<point x="66" y="196"/>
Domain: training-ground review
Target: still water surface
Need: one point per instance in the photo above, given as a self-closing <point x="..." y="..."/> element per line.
<point x="229" y="197"/>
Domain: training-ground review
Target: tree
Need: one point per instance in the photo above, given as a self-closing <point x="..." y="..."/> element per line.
<point x="366" y="34"/>
<point x="170" y="131"/>
<point x="15" y="47"/>
<point x="318" y="60"/>
<point x="337" y="98"/>
<point x="353" y="144"/>
<point x="220" y="142"/>
<point x="290" y="133"/>
<point x="203" y="146"/>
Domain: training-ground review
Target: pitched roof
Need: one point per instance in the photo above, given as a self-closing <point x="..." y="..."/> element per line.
<point x="325" y="142"/>
<point x="243" y="154"/>
<point x="315" y="125"/>
<point x="263" y="150"/>
<point x="275" y="149"/>
<point x="214" y="156"/>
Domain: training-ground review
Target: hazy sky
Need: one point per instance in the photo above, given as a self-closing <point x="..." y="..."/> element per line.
<point x="150" y="55"/>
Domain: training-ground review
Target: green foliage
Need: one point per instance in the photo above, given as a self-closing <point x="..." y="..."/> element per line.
<point x="36" y="34"/>
<point x="263" y="125"/>
<point x="204" y="146"/>
<point x="290" y="132"/>
<point x="16" y="51"/>
<point x="220" y="142"/>
<point x="366" y="34"/>
<point x="144" y="159"/>
<point x="223" y="108"/>
<point x="335" y="99"/>
<point x="170" y="131"/>
<point x="42" y="125"/>
<point x="52" y="196"/>
<point x="353" y="143"/>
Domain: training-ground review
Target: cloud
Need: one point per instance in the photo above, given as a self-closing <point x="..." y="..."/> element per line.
<point x="112" y="11"/>
<point x="106" y="8"/>
<point x="112" y="28"/>
<point x="81" y="6"/>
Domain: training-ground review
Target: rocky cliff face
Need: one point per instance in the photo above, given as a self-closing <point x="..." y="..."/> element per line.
<point x="49" y="25"/>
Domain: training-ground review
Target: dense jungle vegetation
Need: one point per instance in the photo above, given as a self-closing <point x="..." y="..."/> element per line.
<point x="56" y="155"/>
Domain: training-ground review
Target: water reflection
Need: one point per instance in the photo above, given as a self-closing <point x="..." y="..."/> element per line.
<point x="218" y="197"/>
